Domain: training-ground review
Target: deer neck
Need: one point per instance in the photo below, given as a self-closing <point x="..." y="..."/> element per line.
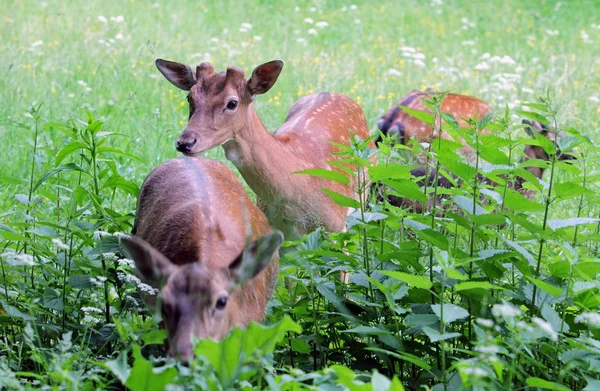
<point x="260" y="157"/>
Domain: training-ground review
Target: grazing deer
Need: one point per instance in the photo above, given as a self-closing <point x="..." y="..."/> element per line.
<point x="531" y="151"/>
<point x="222" y="113"/>
<point x="192" y="230"/>
<point x="398" y="122"/>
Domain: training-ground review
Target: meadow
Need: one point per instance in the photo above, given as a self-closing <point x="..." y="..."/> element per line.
<point x="481" y="293"/>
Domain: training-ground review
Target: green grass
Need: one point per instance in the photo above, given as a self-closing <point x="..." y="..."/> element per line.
<point x="72" y="58"/>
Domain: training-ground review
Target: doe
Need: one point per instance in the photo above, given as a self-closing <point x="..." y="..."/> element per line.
<point x="222" y="113"/>
<point x="192" y="230"/>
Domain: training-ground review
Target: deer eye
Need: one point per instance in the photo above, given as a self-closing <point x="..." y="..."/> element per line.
<point x="221" y="302"/>
<point x="232" y="104"/>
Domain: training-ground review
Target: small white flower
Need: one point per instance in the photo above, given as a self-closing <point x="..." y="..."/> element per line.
<point x="394" y="72"/>
<point x="527" y="90"/>
<point x="552" y="33"/>
<point x="214" y="39"/>
<point x="37" y="43"/>
<point x="489" y="350"/>
<point x="91" y="309"/>
<point x="321" y="24"/>
<point x="119" y="36"/>
<point x="102" y="19"/>
<point x="353" y="7"/>
<point x="312" y="32"/>
<point x="247" y="26"/>
<point x="101" y="279"/>
<point x="547" y="327"/>
<point x="148" y="289"/>
<point x="296" y="8"/>
<point x="16" y="259"/>
<point x="482" y="66"/>
<point x="419" y="63"/>
<point x="257" y="38"/>
<point x="312" y="9"/>
<point x="592" y="319"/>
<point x="308" y="20"/>
<point x="117" y="19"/>
<point x="301" y="40"/>
<point x="506" y="311"/>
<point x="468" y="43"/>
<point x="59" y="243"/>
<point x="485" y="322"/>
<point x="585" y="37"/>
<point x="473" y="371"/>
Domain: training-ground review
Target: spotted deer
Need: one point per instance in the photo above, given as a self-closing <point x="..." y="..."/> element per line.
<point x="400" y="123"/>
<point x="199" y="239"/>
<point x="222" y="113"/>
<point x="530" y="151"/>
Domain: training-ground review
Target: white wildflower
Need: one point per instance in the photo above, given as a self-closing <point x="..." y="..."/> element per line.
<point x="591" y="318"/>
<point x="419" y="63"/>
<point x="91" y="309"/>
<point x="321" y="24"/>
<point x="485" y="322"/>
<point x="468" y="43"/>
<point x="37" y="43"/>
<point x="312" y="9"/>
<point x="16" y="259"/>
<point x="110" y="256"/>
<point x="552" y="33"/>
<point x="546" y="327"/>
<point x="125" y="262"/>
<point x="527" y="90"/>
<point x="59" y="243"/>
<point x="585" y="37"/>
<point x="394" y="72"/>
<point x="312" y="32"/>
<point x="117" y="19"/>
<point x="506" y="311"/>
<point x="353" y="7"/>
<point x="247" y="26"/>
<point x="101" y="278"/>
<point x="119" y="36"/>
<point x="301" y="40"/>
<point x="308" y="20"/>
<point x="214" y="39"/>
<point x="148" y="289"/>
<point x="595" y="26"/>
<point x="296" y="8"/>
<point x="257" y="38"/>
<point x="482" y="66"/>
<point x="102" y="19"/>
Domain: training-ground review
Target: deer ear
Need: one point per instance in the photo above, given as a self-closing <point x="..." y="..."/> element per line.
<point x="151" y="264"/>
<point x="528" y="128"/>
<point x="255" y="257"/>
<point x="180" y="75"/>
<point x="264" y="76"/>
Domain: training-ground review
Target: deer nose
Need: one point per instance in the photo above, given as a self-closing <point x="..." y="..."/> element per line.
<point x="185" y="145"/>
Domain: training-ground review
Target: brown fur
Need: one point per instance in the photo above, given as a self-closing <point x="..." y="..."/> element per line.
<point x="198" y="218"/>
<point x="294" y="203"/>
<point x="406" y="127"/>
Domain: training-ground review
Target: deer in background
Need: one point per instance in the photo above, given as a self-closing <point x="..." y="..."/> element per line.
<point x="400" y="123"/>
<point x="222" y="113"/>
<point x="201" y="240"/>
<point x="531" y="151"/>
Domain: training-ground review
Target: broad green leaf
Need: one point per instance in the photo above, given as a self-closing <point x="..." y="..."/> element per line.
<point x="570" y="189"/>
<point x="533" y="115"/>
<point x="43" y="230"/>
<point x="467" y="205"/>
<point x="300" y="346"/>
<point x="80" y="281"/>
<point x="488" y="219"/>
<point x="367" y="330"/>
<point x="410" y="279"/>
<point x="545" y="384"/>
<point x="407" y="188"/>
<point x="463" y="286"/>
<point x="341" y="199"/>
<point x="389" y="171"/>
<point x="552" y="317"/>
<point x="571" y="222"/>
<point x="588" y="270"/>
<point x="426" y="117"/>
<point x="119" y="366"/>
<point x="517" y="202"/>
<point x="68" y="150"/>
<point x="52" y="299"/>
<point x="229" y="356"/>
<point x="14" y="312"/>
<point x="436" y="336"/>
<point x="526" y="254"/>
<point x="117" y="181"/>
<point x="143" y="377"/>
<point x="451" y="313"/>
<point x="560" y="269"/>
<point x="326" y="174"/>
<point x="434" y="238"/>
<point x="154" y="337"/>
<point x="548" y="288"/>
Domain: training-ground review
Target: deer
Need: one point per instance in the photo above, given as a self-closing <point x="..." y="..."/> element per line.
<point x="210" y="251"/>
<point x="406" y="127"/>
<point x="222" y="113"/>
<point x="530" y="151"/>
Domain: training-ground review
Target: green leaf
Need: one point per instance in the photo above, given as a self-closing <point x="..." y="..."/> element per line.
<point x="570" y="189"/>
<point x="571" y="222"/>
<point x="326" y="174"/>
<point x="548" y="288"/>
<point x="229" y="356"/>
<point x="119" y="367"/>
<point x="54" y="171"/>
<point x="389" y="171"/>
<point x="43" y="230"/>
<point x="410" y="279"/>
<point x="552" y="317"/>
<point x="467" y="205"/>
<point x="451" y="312"/>
<point x="52" y="299"/>
<point x="143" y="377"/>
<point x="68" y="150"/>
<point x="517" y="202"/>
<point x="403" y="356"/>
<point x="117" y="181"/>
<point x="464" y="286"/>
<point x="80" y="281"/>
<point x="14" y="312"/>
<point x="524" y="253"/>
<point x="545" y="384"/>
<point x="436" y="336"/>
<point x="533" y="115"/>
<point x="367" y="330"/>
<point x="434" y="238"/>
<point x="406" y="188"/>
<point x="560" y="269"/>
<point x="341" y="199"/>
<point x="300" y="346"/>
<point x="154" y="337"/>
<point x="426" y="117"/>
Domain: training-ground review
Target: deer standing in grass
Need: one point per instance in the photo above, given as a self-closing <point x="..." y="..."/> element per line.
<point x="201" y="240"/>
<point x="400" y="123"/>
<point x="222" y="113"/>
<point x="530" y="151"/>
